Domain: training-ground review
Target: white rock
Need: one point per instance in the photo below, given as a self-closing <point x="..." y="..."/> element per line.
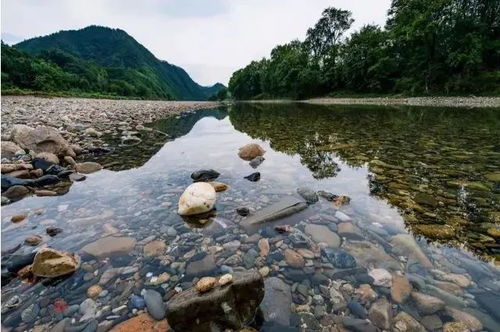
<point x="381" y="277"/>
<point x="225" y="279"/>
<point x="197" y="198"/>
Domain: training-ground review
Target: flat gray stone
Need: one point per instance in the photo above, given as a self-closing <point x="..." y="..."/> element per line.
<point x="286" y="207"/>
<point x="277" y="301"/>
<point x="321" y="233"/>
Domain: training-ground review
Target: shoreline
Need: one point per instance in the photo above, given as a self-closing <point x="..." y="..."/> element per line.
<point x="468" y="102"/>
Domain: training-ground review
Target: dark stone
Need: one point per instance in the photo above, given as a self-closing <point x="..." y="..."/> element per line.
<point x="205" y="175"/>
<point x="18" y="261"/>
<point x="9" y="181"/>
<point x="249" y="258"/>
<point x="53" y="231"/>
<point x="277" y="300"/>
<point x="45" y="180"/>
<point x="339" y="258"/>
<point x="328" y="196"/>
<point x="243" y="211"/>
<point x="358" y="325"/>
<point x="255" y="162"/>
<point x="295" y="274"/>
<point x="97" y="150"/>
<point x="357" y="309"/>
<point x="136" y="302"/>
<point x="230" y="306"/>
<point x="254" y="177"/>
<point x="47" y="167"/>
<point x="309" y="195"/>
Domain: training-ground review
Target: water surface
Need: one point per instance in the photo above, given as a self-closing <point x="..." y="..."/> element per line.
<point x="430" y="173"/>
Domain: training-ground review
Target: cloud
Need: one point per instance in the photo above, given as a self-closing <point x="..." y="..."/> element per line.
<point x="208" y="38"/>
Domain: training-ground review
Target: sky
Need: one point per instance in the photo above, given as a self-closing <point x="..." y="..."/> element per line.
<point x="210" y="39"/>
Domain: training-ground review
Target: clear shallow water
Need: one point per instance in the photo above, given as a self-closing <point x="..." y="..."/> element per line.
<point x="402" y="168"/>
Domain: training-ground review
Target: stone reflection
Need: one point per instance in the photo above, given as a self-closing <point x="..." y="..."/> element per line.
<point x="438" y="166"/>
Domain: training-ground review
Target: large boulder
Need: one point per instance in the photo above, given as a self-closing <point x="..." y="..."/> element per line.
<point x="51" y="263"/>
<point x="250" y="151"/>
<point x="197" y="198"/>
<point x="41" y="139"/>
<point x="230" y="306"/>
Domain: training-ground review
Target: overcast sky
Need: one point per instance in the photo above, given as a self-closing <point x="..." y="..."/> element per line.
<point x="208" y="38"/>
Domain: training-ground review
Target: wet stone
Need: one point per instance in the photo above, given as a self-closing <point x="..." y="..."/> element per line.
<point x="154" y="304"/>
<point x="340" y="258"/>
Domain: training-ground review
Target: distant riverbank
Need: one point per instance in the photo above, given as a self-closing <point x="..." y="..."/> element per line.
<point x="412" y="101"/>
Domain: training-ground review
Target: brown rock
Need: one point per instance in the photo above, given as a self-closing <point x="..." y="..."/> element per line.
<point x="88" y="167"/>
<point x="400" y="289"/>
<point x="264" y="247"/>
<point x="110" y="245"/>
<point x="293" y="258"/>
<point x="16" y="192"/>
<point x="142" y="323"/>
<point x="349" y="231"/>
<point x="33" y="240"/>
<point x="467" y="319"/>
<point x="219" y="186"/>
<point x="432" y="322"/>
<point x="21" y="174"/>
<point x="18" y="217"/>
<point x="44" y="192"/>
<point x="306" y="253"/>
<point x="52" y="263"/>
<point x="250" y="151"/>
<point x="427" y="304"/>
<point x="50" y="157"/>
<point x="380" y="314"/>
<point x="154" y="248"/>
<point x="94" y="291"/>
<point x="366" y="293"/>
<point x="205" y="284"/>
<point x="36" y="173"/>
<point x="8" y="168"/>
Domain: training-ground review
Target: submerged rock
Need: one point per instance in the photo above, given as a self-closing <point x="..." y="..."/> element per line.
<point x="255" y="162"/>
<point x="276" y="303"/>
<point x="52" y="263"/>
<point x="230" y="306"/>
<point x="204" y="175"/>
<point x="254" y="177"/>
<point x="205" y="284"/>
<point x="340" y="259"/>
<point x="284" y="208"/>
<point x="198" y="198"/>
<point x="250" y="151"/>
<point x="110" y="245"/>
<point x="404" y="244"/>
<point x="322" y="234"/>
<point x="154" y="303"/>
<point x="309" y="195"/>
<point x="219" y="186"/>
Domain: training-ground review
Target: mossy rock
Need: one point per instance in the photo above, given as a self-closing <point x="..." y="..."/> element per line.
<point x="441" y="232"/>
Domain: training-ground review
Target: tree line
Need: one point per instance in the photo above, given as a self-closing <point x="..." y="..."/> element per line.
<point x="427" y="47"/>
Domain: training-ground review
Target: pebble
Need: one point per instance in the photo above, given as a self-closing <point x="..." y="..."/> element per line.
<point x="206" y="284"/>
<point x="18" y="217"/>
<point x="154" y="304"/>
<point x="225" y="279"/>
<point x="94" y="291"/>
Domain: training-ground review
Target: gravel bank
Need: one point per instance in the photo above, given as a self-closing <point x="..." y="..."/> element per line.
<point x="414" y="101"/>
<point x="101" y="114"/>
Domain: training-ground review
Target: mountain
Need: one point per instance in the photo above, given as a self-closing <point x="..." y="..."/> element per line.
<point x="122" y="57"/>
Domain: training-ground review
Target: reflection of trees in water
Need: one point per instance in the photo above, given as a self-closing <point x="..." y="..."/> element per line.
<point x="180" y="125"/>
<point x="421" y="149"/>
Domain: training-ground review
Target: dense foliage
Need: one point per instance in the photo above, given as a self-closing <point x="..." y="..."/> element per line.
<point x="96" y="60"/>
<point x="426" y="47"/>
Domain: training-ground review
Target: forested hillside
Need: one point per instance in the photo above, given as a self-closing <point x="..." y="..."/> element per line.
<point x="428" y="47"/>
<point x="96" y="60"/>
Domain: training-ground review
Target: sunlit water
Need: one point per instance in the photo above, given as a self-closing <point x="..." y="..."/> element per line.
<point x="382" y="158"/>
